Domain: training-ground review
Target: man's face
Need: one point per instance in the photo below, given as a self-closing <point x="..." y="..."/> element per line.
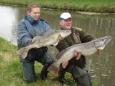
<point x="35" y="13"/>
<point x="66" y="24"/>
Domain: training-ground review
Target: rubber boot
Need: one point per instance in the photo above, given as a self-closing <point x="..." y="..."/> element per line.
<point x="61" y="75"/>
<point x="44" y="72"/>
<point x="28" y="72"/>
<point x="84" y="80"/>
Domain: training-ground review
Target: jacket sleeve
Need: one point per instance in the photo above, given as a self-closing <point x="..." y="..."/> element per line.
<point x="85" y="37"/>
<point x="23" y="35"/>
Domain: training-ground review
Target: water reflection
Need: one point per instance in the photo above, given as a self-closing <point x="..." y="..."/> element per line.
<point x="102" y="67"/>
<point x="8" y="21"/>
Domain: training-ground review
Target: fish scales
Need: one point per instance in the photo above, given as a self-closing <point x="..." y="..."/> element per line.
<point x="46" y="40"/>
<point x="85" y="49"/>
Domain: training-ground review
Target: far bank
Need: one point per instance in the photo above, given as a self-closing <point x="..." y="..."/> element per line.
<point x="103" y="6"/>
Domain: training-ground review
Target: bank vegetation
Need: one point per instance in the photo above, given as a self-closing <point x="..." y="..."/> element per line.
<point x="103" y="6"/>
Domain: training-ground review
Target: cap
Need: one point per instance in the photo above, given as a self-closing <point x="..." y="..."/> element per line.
<point x="65" y="15"/>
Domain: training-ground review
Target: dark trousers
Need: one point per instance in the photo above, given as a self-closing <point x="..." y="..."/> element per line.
<point x="79" y="74"/>
<point x="39" y="55"/>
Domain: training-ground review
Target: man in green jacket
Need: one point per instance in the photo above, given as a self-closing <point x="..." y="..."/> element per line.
<point x="77" y="63"/>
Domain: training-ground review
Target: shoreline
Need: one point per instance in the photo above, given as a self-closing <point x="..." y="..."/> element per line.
<point x="82" y="9"/>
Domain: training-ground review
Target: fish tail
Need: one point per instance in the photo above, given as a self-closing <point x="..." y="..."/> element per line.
<point x="53" y="68"/>
<point x="23" y="52"/>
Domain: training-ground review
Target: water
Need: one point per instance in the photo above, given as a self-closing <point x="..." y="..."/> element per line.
<point x="101" y="67"/>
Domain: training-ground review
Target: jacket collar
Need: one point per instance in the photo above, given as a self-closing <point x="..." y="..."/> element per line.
<point x="30" y="19"/>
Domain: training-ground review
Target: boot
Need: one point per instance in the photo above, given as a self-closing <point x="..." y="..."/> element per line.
<point x="83" y="81"/>
<point x="28" y="71"/>
<point x="61" y="74"/>
<point x="44" y="72"/>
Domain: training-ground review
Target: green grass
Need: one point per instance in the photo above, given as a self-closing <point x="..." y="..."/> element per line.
<point x="77" y="5"/>
<point x="11" y="70"/>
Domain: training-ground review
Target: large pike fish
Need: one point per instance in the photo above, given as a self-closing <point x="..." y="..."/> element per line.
<point x="85" y="49"/>
<point x="45" y="40"/>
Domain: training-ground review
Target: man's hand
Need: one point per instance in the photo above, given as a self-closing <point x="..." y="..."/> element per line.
<point x="77" y="55"/>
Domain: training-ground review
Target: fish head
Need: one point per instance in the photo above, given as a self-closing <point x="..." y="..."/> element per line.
<point x="65" y="33"/>
<point x="100" y="43"/>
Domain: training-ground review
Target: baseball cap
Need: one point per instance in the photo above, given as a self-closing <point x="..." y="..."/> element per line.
<point x="65" y="15"/>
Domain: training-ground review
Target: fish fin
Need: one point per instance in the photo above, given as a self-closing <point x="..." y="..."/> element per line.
<point x="56" y="43"/>
<point x="60" y="37"/>
<point x="79" y="29"/>
<point x="98" y="52"/>
<point x="24" y="55"/>
<point x="53" y="68"/>
<point x="64" y="64"/>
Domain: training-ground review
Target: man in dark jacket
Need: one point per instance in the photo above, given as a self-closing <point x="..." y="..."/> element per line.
<point x="77" y="63"/>
<point x="29" y="27"/>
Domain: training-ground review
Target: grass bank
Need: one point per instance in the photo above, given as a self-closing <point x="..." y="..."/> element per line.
<point x="11" y="70"/>
<point x="107" y="6"/>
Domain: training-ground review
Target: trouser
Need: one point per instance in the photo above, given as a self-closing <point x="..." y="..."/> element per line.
<point x="80" y="75"/>
<point x="39" y="55"/>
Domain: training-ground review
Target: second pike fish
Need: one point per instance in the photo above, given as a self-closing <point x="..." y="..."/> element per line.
<point x="85" y="49"/>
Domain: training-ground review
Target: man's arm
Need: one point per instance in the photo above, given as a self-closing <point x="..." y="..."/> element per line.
<point x="23" y="35"/>
<point x="85" y="37"/>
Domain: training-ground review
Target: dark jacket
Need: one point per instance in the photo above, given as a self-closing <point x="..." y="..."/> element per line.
<point x="29" y="28"/>
<point x="77" y="36"/>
